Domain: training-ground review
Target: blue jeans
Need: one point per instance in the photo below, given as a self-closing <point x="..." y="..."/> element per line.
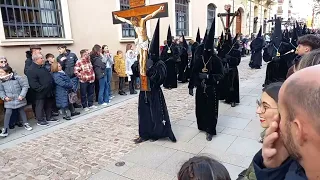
<point x="108" y="80"/>
<point x="103" y="91"/>
<point x="87" y="91"/>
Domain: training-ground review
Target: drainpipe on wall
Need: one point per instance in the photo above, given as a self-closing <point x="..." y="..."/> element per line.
<point x="233" y="12"/>
<point x="250" y="19"/>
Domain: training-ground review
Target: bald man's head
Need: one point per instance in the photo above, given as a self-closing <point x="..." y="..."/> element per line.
<point x="300" y="95"/>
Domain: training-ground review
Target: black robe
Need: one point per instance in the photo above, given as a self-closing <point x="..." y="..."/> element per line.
<point x="256" y="46"/>
<point x="223" y="83"/>
<point x="232" y="77"/>
<point x="207" y="101"/>
<point x="183" y="65"/>
<point x="154" y="121"/>
<point x="278" y="66"/>
<point x="170" y="60"/>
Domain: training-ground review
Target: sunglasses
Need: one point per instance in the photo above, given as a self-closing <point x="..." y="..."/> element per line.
<point x="3" y="61"/>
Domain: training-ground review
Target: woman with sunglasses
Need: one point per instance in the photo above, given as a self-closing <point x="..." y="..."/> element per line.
<point x="267" y="109"/>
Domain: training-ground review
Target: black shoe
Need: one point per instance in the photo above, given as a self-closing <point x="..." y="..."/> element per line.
<point x="75" y="105"/>
<point x="75" y="114"/>
<point x="67" y="118"/>
<point x="209" y="137"/>
<point x="139" y="140"/>
<point x="123" y="93"/>
<point x="134" y="92"/>
<point x="43" y="123"/>
<point x="54" y="113"/>
<point x="19" y="124"/>
<point x="11" y="126"/>
<point x="53" y="120"/>
<point x="233" y="104"/>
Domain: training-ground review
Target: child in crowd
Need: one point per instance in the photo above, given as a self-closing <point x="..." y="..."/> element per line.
<point x="131" y="58"/>
<point x="63" y="86"/>
<point x="120" y="68"/>
<point x="108" y="60"/>
<point x="203" y="168"/>
<point x="13" y="90"/>
<point x="83" y="69"/>
<point x="50" y="59"/>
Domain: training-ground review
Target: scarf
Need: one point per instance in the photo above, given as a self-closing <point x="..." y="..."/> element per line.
<point x="6" y="77"/>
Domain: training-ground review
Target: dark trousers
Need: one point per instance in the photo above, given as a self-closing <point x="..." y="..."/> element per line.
<point x="87" y="93"/>
<point x="132" y="83"/>
<point x="14" y="119"/>
<point x="43" y="106"/>
<point x="122" y="81"/>
<point x="96" y="89"/>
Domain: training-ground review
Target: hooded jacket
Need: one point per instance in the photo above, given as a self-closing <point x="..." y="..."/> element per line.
<point x="120" y="66"/>
<point x="99" y="67"/>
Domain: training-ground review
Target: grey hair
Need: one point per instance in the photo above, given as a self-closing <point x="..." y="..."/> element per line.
<point x="36" y="56"/>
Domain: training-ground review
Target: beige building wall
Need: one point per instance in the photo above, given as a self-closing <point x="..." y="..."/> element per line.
<point x="87" y="23"/>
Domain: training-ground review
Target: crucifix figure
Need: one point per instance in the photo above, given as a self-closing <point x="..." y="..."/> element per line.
<point x="137" y="16"/>
<point x="229" y="17"/>
<point x="273" y="19"/>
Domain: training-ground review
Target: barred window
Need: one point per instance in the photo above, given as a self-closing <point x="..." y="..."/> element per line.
<point x="182" y="17"/>
<point x="127" y="29"/>
<point x="32" y="19"/>
<point x="211" y="15"/>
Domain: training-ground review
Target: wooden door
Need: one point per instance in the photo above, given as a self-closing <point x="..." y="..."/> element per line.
<point x="238" y="23"/>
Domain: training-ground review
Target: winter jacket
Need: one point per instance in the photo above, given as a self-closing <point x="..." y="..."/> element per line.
<point x="40" y="80"/>
<point x="68" y="64"/>
<point x="108" y="59"/>
<point x="47" y="65"/>
<point x="63" y="85"/>
<point x="120" y="66"/>
<point x="13" y="88"/>
<point x="289" y="170"/>
<point x="131" y="57"/>
<point x="84" y="71"/>
<point x="99" y="67"/>
<point x="28" y="61"/>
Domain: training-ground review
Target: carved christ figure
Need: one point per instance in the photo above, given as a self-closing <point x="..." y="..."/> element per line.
<point x="140" y="28"/>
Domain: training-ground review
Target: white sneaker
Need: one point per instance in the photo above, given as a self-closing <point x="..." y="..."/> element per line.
<point x="4" y="132"/>
<point x="111" y="97"/>
<point x="93" y="107"/>
<point x="86" y="109"/>
<point x="27" y="126"/>
<point x="105" y="104"/>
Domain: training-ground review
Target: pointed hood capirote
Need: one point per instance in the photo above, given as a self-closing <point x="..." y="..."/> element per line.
<point x="294" y="37"/>
<point x="185" y="44"/>
<point x="205" y="37"/>
<point x="209" y="43"/>
<point x="154" y="50"/>
<point x="198" y="38"/>
<point x="298" y="29"/>
<point x="169" y="36"/>
<point x="277" y="34"/>
<point x="260" y="32"/>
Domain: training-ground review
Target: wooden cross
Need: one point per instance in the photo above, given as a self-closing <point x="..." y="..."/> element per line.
<point x="228" y="16"/>
<point x="138" y="8"/>
<point x="137" y="16"/>
<point x="273" y="19"/>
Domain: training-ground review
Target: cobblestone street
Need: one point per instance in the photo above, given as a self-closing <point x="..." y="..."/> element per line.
<point x="88" y="147"/>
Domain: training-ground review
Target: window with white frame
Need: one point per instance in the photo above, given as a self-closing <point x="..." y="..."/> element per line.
<point x="182" y="17"/>
<point x="127" y="29"/>
<point x="211" y="14"/>
<point x="32" y="19"/>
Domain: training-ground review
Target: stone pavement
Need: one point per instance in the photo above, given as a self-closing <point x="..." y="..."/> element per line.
<point x="89" y="146"/>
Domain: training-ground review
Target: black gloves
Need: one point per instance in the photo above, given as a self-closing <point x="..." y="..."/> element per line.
<point x="191" y="92"/>
<point x="203" y="76"/>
